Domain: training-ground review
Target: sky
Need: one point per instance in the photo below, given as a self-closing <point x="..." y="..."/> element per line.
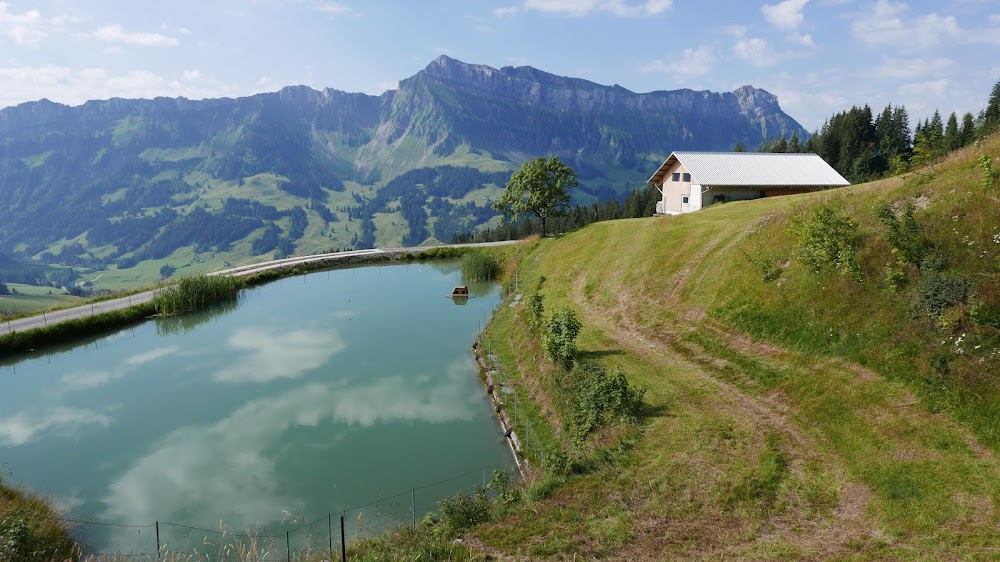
<point x="818" y="56"/>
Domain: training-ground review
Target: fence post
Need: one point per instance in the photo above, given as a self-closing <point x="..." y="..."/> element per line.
<point x="157" y="540"/>
<point x="413" y="507"/>
<point x="329" y="532"/>
<point x="288" y="547"/>
<point x="484" y="476"/>
<point x="343" y="541"/>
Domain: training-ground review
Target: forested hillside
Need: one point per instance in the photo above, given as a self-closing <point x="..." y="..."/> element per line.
<point x="130" y="187"/>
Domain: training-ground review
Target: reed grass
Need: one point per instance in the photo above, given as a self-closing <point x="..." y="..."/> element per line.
<point x="197" y="292"/>
<point x="479" y="266"/>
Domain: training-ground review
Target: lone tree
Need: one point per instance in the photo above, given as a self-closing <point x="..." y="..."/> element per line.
<point x="539" y="187"/>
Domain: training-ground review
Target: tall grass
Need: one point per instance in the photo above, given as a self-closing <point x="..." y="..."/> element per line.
<point x="29" y="529"/>
<point x="479" y="266"/>
<point x="197" y="292"/>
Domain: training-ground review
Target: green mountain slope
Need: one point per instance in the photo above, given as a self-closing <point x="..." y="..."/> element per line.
<point x="112" y="184"/>
<point x="797" y="411"/>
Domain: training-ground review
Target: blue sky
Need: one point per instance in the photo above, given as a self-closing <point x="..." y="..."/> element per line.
<point x="817" y="56"/>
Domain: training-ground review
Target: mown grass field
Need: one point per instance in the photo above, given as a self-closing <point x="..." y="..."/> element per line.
<point x="795" y="415"/>
<point x="31" y="299"/>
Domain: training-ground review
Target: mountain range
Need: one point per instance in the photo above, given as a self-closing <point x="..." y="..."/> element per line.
<point x="111" y="184"/>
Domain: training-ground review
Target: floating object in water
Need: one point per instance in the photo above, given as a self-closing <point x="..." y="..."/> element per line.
<point x="460" y="295"/>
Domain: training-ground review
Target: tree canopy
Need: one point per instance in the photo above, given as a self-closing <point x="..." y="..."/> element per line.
<point x="540" y="188"/>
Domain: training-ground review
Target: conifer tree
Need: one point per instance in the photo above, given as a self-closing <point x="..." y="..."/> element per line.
<point x="794" y="143"/>
<point x="968" y="132"/>
<point x="989" y="118"/>
<point x="952" y="136"/>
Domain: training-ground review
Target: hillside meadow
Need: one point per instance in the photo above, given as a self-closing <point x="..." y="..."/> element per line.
<point x="797" y="411"/>
<point x="819" y="384"/>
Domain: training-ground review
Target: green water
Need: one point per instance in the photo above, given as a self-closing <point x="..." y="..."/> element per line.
<point x="315" y="395"/>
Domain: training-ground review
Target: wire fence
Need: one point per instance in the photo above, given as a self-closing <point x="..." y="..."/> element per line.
<point x="293" y="539"/>
<point x="507" y="389"/>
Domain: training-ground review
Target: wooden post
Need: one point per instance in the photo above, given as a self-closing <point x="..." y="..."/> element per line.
<point x="288" y="547"/>
<point x="343" y="541"/>
<point x="157" y="540"/>
<point x="329" y="531"/>
<point x="413" y="507"/>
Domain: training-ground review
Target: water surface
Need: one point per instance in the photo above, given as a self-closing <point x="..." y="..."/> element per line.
<point x="317" y="393"/>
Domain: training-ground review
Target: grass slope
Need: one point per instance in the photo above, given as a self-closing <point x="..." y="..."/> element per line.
<point x="796" y="415"/>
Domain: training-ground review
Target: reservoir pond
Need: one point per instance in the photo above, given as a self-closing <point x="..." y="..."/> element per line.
<point x="345" y="392"/>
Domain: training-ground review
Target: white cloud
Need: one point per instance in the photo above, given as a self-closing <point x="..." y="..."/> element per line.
<point x="506" y="11"/>
<point x="735" y="31"/>
<point x="804" y="40"/>
<point x="621" y="8"/>
<point x="885" y="24"/>
<point x="695" y="61"/>
<point x="28" y="28"/>
<point x="75" y="86"/>
<point x="786" y="14"/>
<point x="386" y="85"/>
<point x="115" y="34"/>
<point x="756" y="51"/>
<point x="909" y="69"/>
<point x="24" y="427"/>
<point x="334" y="8"/>
<point x="936" y="88"/>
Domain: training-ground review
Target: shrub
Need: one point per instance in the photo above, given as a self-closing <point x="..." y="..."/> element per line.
<point x="560" y="337"/>
<point x="937" y="291"/>
<point x="536" y="311"/>
<point x="895" y="276"/>
<point x="986" y="306"/>
<point x="602" y="400"/>
<point x="557" y="462"/>
<point x="463" y="511"/>
<point x="905" y="236"/>
<point x="479" y="266"/>
<point x="828" y="238"/>
<point x="934" y="260"/>
<point x="989" y="174"/>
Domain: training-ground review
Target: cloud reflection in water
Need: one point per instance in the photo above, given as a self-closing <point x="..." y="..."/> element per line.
<point x="25" y="426"/>
<point x="265" y="355"/>
<point x="224" y="469"/>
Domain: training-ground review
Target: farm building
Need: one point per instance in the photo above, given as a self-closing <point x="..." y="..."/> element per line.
<point x="689" y="181"/>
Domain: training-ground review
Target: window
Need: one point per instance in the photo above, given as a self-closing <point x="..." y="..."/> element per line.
<point x="677" y="176"/>
<point x="684" y="200"/>
<point x="687" y="177"/>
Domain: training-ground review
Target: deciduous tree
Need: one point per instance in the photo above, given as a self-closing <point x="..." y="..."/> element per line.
<point x="540" y="187"/>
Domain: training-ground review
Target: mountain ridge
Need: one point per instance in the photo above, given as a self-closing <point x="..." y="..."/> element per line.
<point x="91" y="177"/>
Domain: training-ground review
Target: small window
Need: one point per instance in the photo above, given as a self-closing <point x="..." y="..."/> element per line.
<point x="677" y="176"/>
<point x="684" y="200"/>
<point x="687" y="177"/>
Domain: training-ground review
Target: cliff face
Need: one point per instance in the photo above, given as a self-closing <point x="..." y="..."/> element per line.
<point x="516" y="112"/>
<point x="65" y="170"/>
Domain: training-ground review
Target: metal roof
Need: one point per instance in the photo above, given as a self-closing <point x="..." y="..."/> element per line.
<point x="764" y="169"/>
